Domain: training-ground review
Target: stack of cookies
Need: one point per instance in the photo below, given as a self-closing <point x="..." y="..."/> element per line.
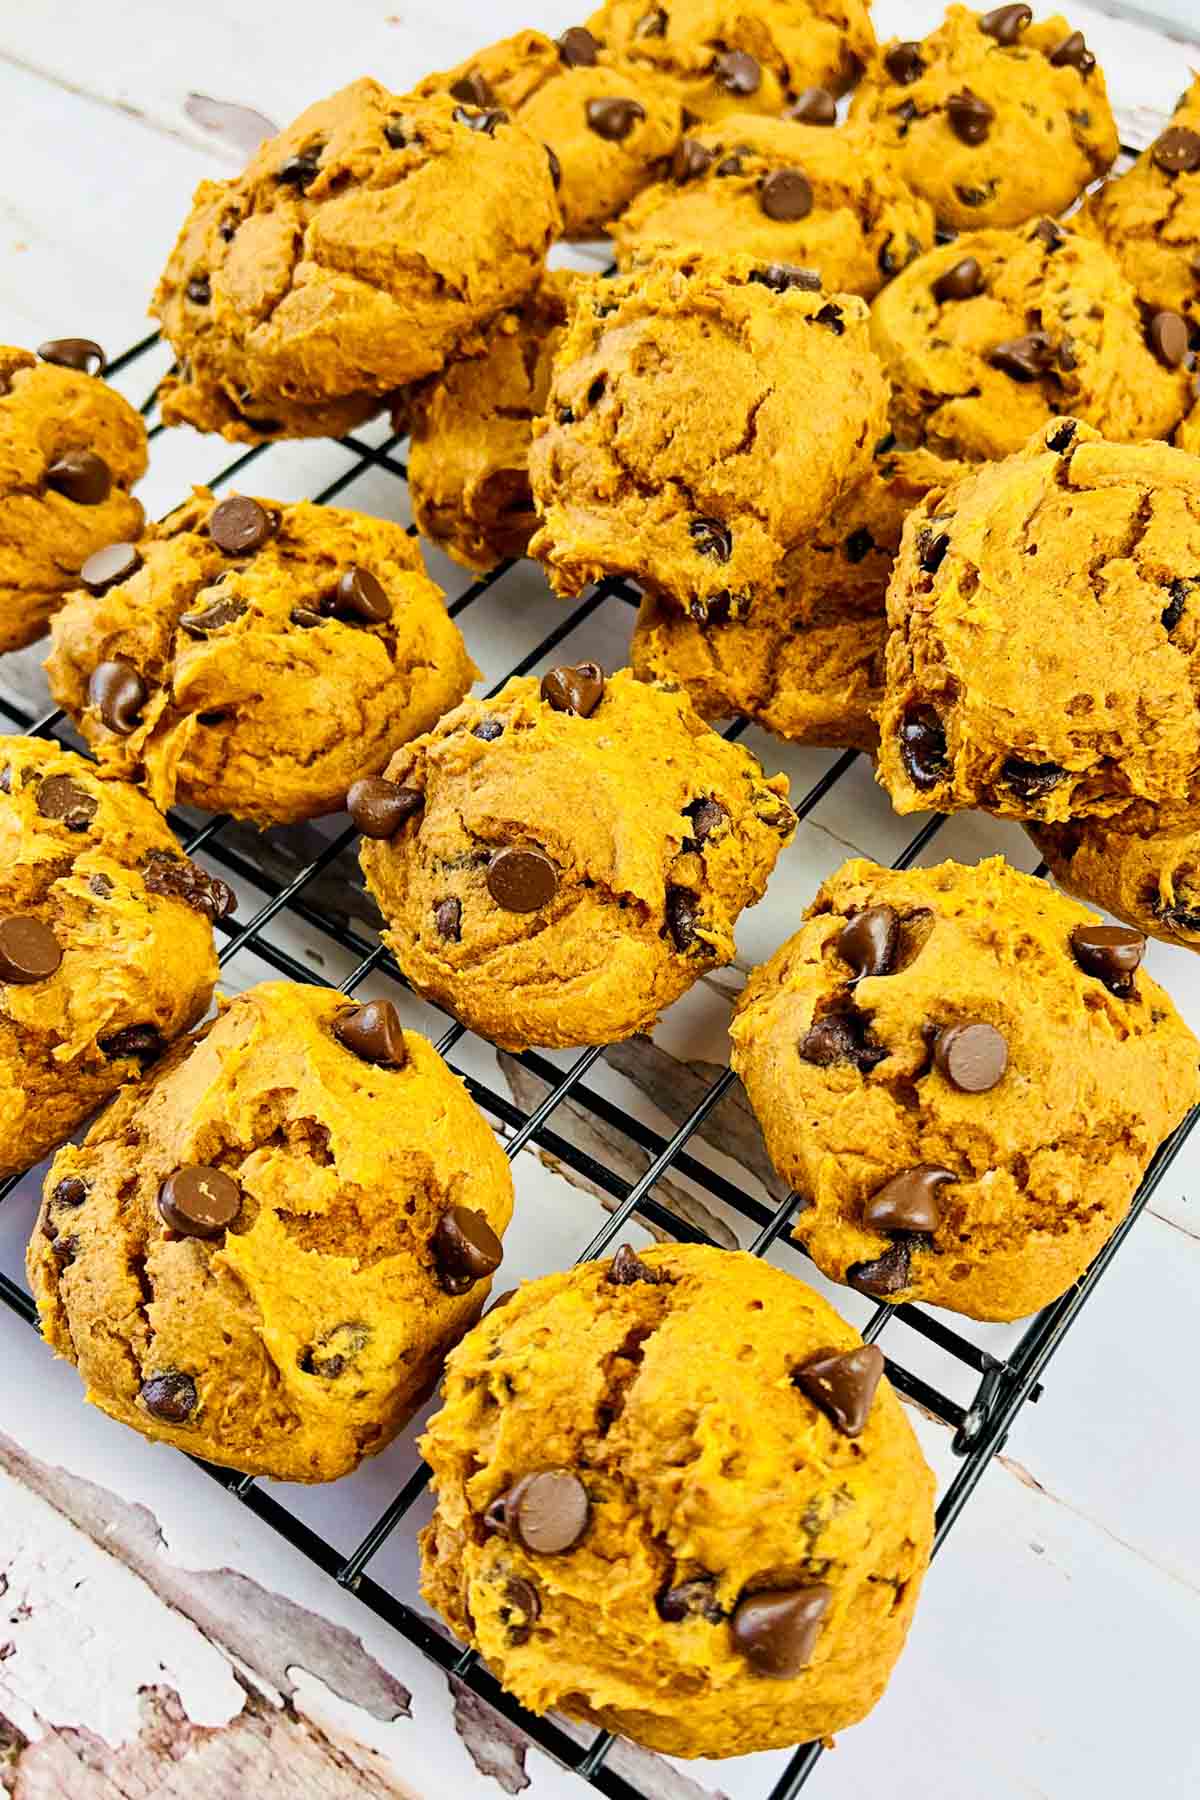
<point x="890" y="414"/>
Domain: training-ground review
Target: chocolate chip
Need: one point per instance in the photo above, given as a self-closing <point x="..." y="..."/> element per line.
<point x="682" y="909"/>
<point x="361" y="595"/>
<point x="465" y="1249"/>
<point x="737" y="72"/>
<point x="842" y="1383"/>
<point x="548" y="1513"/>
<point x="472" y="88"/>
<point x="707" y="815"/>
<point x="859" y="544"/>
<point x="301" y="171"/>
<point x="1006" y="23"/>
<point x="447" y="916"/>
<point x="711" y="538"/>
<point x="305" y="617"/>
<point x="869" y="941"/>
<point x="521" y="1598"/>
<point x="815" y="106"/>
<point x="577" y="48"/>
<point x="841" y="1035"/>
<point x="29" y="950"/>
<point x="198" y="1201"/>
<point x="239" y="525"/>
<point x="81" y="354"/>
<point x="60" y="797"/>
<point x="909" y="1201"/>
<point x="613" y="118"/>
<point x="627" y="1267"/>
<point x="961" y="282"/>
<point x="199" y="290"/>
<point x="732" y="164"/>
<point x="213" y="618"/>
<point x="776" y="1630"/>
<point x="1111" y="953"/>
<point x="335" y="1353"/>
<point x="891" y="260"/>
<point x="179" y="878"/>
<point x="886" y="1274"/>
<point x="379" y="807"/>
<point x="780" y="277"/>
<point x="486" y="122"/>
<point x="399" y="135"/>
<point x="119" y="693"/>
<point x="1050" y="235"/>
<point x="1030" y="780"/>
<point x="923" y="747"/>
<point x="690" y="1600"/>
<point x="786" y="194"/>
<point x="972" y="1057"/>
<point x="372" y="1033"/>
<point x="931" y="549"/>
<point x="1167" y="335"/>
<point x="170" y="1397"/>
<point x="81" y="476"/>
<point x="1073" y="53"/>
<point x="651" y="24"/>
<point x="574" y="688"/>
<point x="1173" y="611"/>
<point x="521" y="881"/>
<point x="1024" y="358"/>
<point x="690" y="161"/>
<point x="105" y="568"/>
<point x="831" y="317"/>
<point x="72" y="1190"/>
<point x="904" y="63"/>
<point x="1177" y="151"/>
<point x="975" y="196"/>
<point x="488" y="730"/>
<point x="1062" y="436"/>
<point x="101" y="886"/>
<point x="145" y="1042"/>
<point x="970" y="117"/>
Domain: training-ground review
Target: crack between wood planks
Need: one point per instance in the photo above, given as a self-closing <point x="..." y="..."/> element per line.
<point x="125" y="108"/>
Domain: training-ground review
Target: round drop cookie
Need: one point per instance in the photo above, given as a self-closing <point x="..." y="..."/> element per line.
<point x="987" y="339"/>
<point x="70" y="450"/>
<point x="1043" y="660"/>
<point x="723" y="56"/>
<point x="558" y="864"/>
<point x="1132" y="867"/>
<point x="354" y="253"/>
<point x="106" y="944"/>
<point x="964" y="1075"/>
<point x="786" y="192"/>
<point x="704" y="415"/>
<point x="252" y="657"/>
<point x="263" y="1254"/>
<point x="807" y="663"/>
<point x="705" y="1425"/>
<point x="1150" y="217"/>
<point x="607" y="128"/>
<point x="471" y="428"/>
<point x="994" y="117"/>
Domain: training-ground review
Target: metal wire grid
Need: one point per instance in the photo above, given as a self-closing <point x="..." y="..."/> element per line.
<point x="1003" y="1384"/>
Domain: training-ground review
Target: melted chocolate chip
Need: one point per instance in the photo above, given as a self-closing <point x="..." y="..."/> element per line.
<point x="842" y="1383"/>
<point x="931" y="549"/>
<point x="786" y="195"/>
<point x="961" y="282"/>
<point x="336" y="1352"/>
<point x="212" y="618"/>
<point x="887" y="1274"/>
<point x="488" y="730"/>
<point x="613" y="118"/>
<point x="145" y="1042"/>
<point x="777" y="1630"/>
<point x="81" y="354"/>
<point x="373" y="1033"/>
<point x="465" y="1249"/>
<point x="473" y="89"/>
<point x="555" y="167"/>
<point x="690" y="1600"/>
<point x="869" y="941"/>
<point x="970" y="116"/>
<point x="80" y="476"/>
<point x="690" y="161"/>
<point x="71" y="1191"/>
<point x="170" y="1397"/>
<point x="1024" y="358"/>
<point x="179" y="878"/>
<point x="379" y="807"/>
<point x="707" y="815"/>
<point x="60" y="797"/>
<point x="831" y="317"/>
<point x="1073" y="53"/>
<point x="577" y="48"/>
<point x="972" y="1057"/>
<point x="1006" y="23"/>
<point x="815" y="106"/>
<point x="577" y="688"/>
<point x="104" y="569"/>
<point x="1062" y="436"/>
<point x="780" y="277"/>
<point x="447" y="917"/>
<point x="840" y="1036"/>
<point x="523" y="1601"/>
<point x="521" y="881"/>
<point x="1112" y="953"/>
<point x="909" y="1201"/>
<point x="652" y="24"/>
<point x="711" y="538"/>
<point x="118" y="693"/>
<point x="29" y="950"/>
<point x="737" y="72"/>
<point x="904" y="63"/>
<point x="199" y="1202"/>
<point x="923" y="747"/>
<point x="239" y="525"/>
<point x="683" y="910"/>
<point x="300" y="171"/>
<point x="627" y="1267"/>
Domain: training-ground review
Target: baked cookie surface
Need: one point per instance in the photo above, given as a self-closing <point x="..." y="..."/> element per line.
<point x="560" y="862"/>
<point x="262" y="1255"/>
<point x="786" y="192"/>
<point x="70" y="450"/>
<point x="1132" y="867"/>
<point x="654" y="1415"/>
<point x="608" y="128"/>
<point x="1043" y="660"/>
<point x="256" y="656"/>
<point x="993" y="118"/>
<point x="703" y="416"/>
<point x="965" y="1078"/>
<point x="357" y="249"/>
<point x="106" y="944"/>
<point x="973" y="377"/>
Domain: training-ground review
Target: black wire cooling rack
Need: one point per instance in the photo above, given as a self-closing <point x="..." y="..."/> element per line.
<point x="1002" y="1385"/>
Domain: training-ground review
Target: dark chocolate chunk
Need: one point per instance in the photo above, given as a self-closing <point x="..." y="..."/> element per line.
<point x="488" y="730"/>
<point x="780" y="277"/>
<point x="841" y="1035"/>
<point x="1177" y="151"/>
<point x="707" y="815"/>
<point x="627" y="1267"/>
<point x="887" y="1274"/>
<point x="923" y="747"/>
<point x="1073" y="53"/>
<point x="690" y="1600"/>
<point x="525" y="1607"/>
<point x="60" y="797"/>
<point x="831" y="317"/>
<point x="869" y="941"/>
<point x="145" y="1042"/>
<point x="859" y="544"/>
<point x="1168" y="337"/>
<point x="1031" y="780"/>
<point x="300" y="171"/>
<point x="1173" y="611"/>
<point x="213" y="618"/>
<point x="361" y="596"/>
<point x="711" y="538"/>
<point x="486" y="122"/>
<point x="179" y="878"/>
<point x="548" y="1513"/>
<point x="690" y="161"/>
<point x="472" y="88"/>
<point x="931" y="549"/>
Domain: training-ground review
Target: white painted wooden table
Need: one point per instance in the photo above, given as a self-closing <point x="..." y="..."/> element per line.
<point x="158" y="1640"/>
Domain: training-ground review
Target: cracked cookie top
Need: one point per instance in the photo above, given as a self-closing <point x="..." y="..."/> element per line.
<point x="993" y="117"/>
<point x="262" y="1254"/>
<point x="703" y="416"/>
<point x="358" y="248"/>
<point x="987" y="339"/>
<point x="70" y="450"/>
<point x="560" y="862"/>
<point x="106" y="946"/>
<point x="252" y="657"/>
<point x="723" y="56"/>
<point x="964" y="1076"/>
<point x="607" y="128"/>
<point x="1044" y="655"/>
<point x="826" y="199"/>
<point x="675" y="1415"/>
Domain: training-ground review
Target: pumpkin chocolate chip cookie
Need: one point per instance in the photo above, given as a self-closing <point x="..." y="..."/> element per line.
<point x="723" y="56"/>
<point x="704" y="415"/>
<point x="987" y="339"/>
<point x="1131" y="866"/>
<point x="607" y="129"/>
<point x="356" y="251"/>
<point x="558" y="864"/>
<point x="471" y="427"/>
<point x="106" y="946"/>
<point x="807" y="664"/>
<point x="786" y="192"/>
<point x="964" y="1076"/>
<point x="1044" y="654"/>
<point x="707" y="1426"/>
<point x="263" y="1253"/>
<point x="70" y="450"/>
<point x="994" y="118"/>
<point x="251" y="657"/>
